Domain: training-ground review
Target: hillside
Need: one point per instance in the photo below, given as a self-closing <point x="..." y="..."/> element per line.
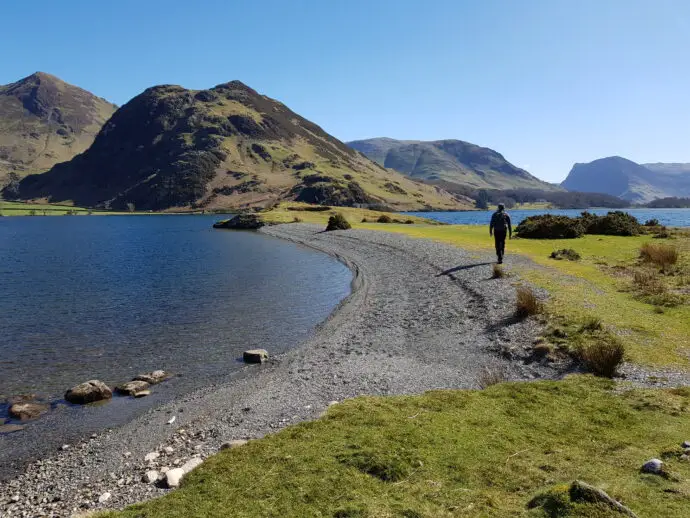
<point x="452" y="161"/>
<point x="227" y="147"/>
<point x="44" y="121"/>
<point x="628" y="180"/>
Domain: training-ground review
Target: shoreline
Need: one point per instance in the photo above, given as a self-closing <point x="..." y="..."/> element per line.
<point x="420" y="316"/>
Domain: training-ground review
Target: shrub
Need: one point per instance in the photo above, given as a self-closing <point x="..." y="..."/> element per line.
<point x="383" y="218"/>
<point x="651" y="223"/>
<point x="409" y="222"/>
<point x="498" y="272"/>
<point x="616" y="223"/>
<point x="365" y="220"/>
<point x="565" y="253"/>
<point x="661" y="255"/>
<point x="527" y="303"/>
<point x="548" y="226"/>
<point x="297" y="220"/>
<point x="337" y="222"/>
<point x="603" y="355"/>
<point x="648" y="282"/>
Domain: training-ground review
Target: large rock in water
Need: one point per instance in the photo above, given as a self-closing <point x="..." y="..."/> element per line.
<point x="255" y="356"/>
<point x="132" y="388"/>
<point x="152" y="378"/>
<point x="28" y="410"/>
<point x="241" y="222"/>
<point x="89" y="392"/>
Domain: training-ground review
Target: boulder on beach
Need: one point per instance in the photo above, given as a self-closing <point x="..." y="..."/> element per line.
<point x="28" y="410"/>
<point x="241" y="222"/>
<point x="132" y="387"/>
<point x="152" y="378"/>
<point x="9" y="428"/>
<point x="173" y="477"/>
<point x="88" y="392"/>
<point x="255" y="356"/>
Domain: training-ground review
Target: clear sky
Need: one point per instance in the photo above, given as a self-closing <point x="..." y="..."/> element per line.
<point x="545" y="82"/>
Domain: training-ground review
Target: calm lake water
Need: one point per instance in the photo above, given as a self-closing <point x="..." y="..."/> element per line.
<point x="668" y="217"/>
<point x="109" y="297"/>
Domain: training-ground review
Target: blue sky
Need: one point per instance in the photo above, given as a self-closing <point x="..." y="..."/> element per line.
<point x="545" y="82"/>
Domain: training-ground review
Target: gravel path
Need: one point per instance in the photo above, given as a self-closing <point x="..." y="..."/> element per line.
<point x="422" y="316"/>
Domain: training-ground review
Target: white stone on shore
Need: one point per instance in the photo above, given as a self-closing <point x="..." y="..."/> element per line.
<point x="152" y="378"/>
<point x="169" y="450"/>
<point x="15" y="498"/>
<point x="191" y="464"/>
<point x="235" y="443"/>
<point x="150" y="457"/>
<point x="104" y="497"/>
<point x="165" y="469"/>
<point x="142" y="393"/>
<point x="171" y="420"/>
<point x="127" y="454"/>
<point x="64" y="447"/>
<point x="150" y="476"/>
<point x="174" y="477"/>
<point x="686" y="444"/>
<point x="331" y="403"/>
<point x="653" y="466"/>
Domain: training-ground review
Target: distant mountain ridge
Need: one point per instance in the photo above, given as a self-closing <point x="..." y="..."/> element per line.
<point x="630" y="181"/>
<point x="226" y="147"/>
<point x="453" y="161"/>
<point x="44" y="121"/>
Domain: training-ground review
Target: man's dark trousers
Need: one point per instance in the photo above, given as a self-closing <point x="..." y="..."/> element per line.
<point x="500" y="238"/>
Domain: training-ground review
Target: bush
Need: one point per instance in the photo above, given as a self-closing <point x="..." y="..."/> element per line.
<point x="383" y="218"/>
<point x="651" y="223"/>
<point x="603" y="355"/>
<point x="548" y="226"/>
<point x="527" y="303"/>
<point x="409" y="222"/>
<point x="565" y="253"/>
<point x="661" y="255"/>
<point x="616" y="223"/>
<point x="338" y="222"/>
<point x="365" y="220"/>
<point x="591" y="324"/>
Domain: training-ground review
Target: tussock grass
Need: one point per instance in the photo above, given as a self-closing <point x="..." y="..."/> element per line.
<point x="487" y="452"/>
<point x="661" y="255"/>
<point x="337" y="222"/>
<point x="527" y="304"/>
<point x="491" y="375"/>
<point x="384" y="218"/>
<point x="603" y="354"/>
<point x="498" y="272"/>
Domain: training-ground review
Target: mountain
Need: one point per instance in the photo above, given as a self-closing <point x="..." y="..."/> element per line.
<point x="43" y="121"/>
<point x="227" y="147"/>
<point x="628" y="180"/>
<point x="452" y="161"/>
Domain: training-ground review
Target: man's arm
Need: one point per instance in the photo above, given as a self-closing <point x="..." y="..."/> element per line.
<point x="491" y="226"/>
<point x="510" y="226"/>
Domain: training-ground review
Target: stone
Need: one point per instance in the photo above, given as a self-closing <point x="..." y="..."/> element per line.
<point x="235" y="443"/>
<point x="686" y="444"/>
<point x="241" y="222"/>
<point x="152" y="378"/>
<point x="150" y="457"/>
<point x="191" y="464"/>
<point x="173" y="477"/>
<point x="28" y="410"/>
<point x="10" y="428"/>
<point x="165" y="469"/>
<point x="104" y="497"/>
<point x="169" y="450"/>
<point x="255" y="356"/>
<point x="15" y="498"/>
<point x="171" y="420"/>
<point x="150" y="476"/>
<point x="583" y="492"/>
<point x="331" y="403"/>
<point x="127" y="454"/>
<point x="142" y="393"/>
<point x="64" y="447"/>
<point x="88" y="392"/>
<point x="132" y="387"/>
<point x="654" y="466"/>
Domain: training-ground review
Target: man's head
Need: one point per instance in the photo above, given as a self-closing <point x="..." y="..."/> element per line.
<point x="501" y="207"/>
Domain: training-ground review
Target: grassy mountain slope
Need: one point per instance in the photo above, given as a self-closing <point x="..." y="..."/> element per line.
<point x="44" y="121"/>
<point x="220" y="148"/>
<point x="628" y="180"/>
<point x="452" y="161"/>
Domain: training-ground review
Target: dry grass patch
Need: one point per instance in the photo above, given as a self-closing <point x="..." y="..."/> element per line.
<point x="603" y="354"/>
<point x="498" y="272"/>
<point x="659" y="254"/>
<point x="527" y="303"/>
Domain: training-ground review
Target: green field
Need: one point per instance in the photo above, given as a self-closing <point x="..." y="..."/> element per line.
<point x="11" y="208"/>
<point x="454" y="453"/>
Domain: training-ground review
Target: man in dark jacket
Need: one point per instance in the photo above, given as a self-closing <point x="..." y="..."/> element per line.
<point x="500" y="227"/>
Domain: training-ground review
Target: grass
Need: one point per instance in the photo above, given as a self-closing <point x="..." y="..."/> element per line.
<point x="661" y="255"/>
<point x="498" y="272"/>
<point x="286" y="212"/>
<point x="452" y="453"/>
<point x="527" y="303"/>
<point x="598" y="283"/>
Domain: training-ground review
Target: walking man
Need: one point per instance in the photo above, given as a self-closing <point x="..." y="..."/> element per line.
<point x="500" y="227"/>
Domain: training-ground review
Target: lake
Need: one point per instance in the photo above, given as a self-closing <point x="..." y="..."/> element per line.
<point x="113" y="296"/>
<point x="668" y="217"/>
